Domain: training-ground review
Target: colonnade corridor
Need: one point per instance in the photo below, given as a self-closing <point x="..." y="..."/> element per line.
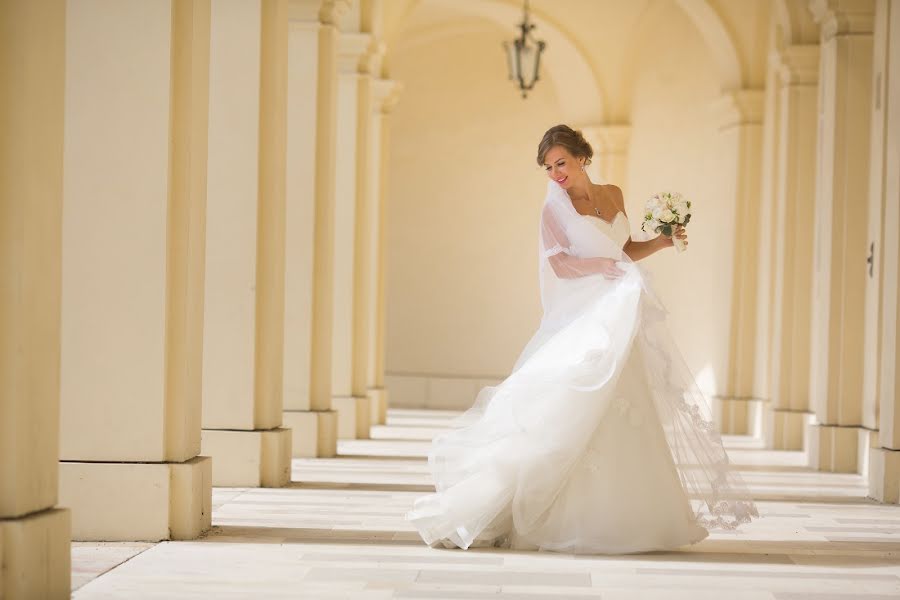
<point x="337" y="531"/>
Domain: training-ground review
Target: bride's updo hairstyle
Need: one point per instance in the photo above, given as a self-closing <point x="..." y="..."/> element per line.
<point x="568" y="138"/>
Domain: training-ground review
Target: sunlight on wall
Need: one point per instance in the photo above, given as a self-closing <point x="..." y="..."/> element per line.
<point x="676" y="146"/>
<point x="462" y="290"/>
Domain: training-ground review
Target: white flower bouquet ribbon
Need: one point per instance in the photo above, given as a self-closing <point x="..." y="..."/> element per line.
<point x="664" y="212"/>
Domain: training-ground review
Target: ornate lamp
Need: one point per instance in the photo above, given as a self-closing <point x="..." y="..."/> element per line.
<point x="523" y="56"/>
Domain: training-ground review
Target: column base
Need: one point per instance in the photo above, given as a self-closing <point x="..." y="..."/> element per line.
<point x="35" y="555"/>
<point x="379" y="397"/>
<point x="737" y="416"/>
<point x="314" y="432"/>
<point x="354" y="418"/>
<point x="884" y="475"/>
<point x="868" y="441"/>
<point x="786" y="429"/>
<point x="254" y="458"/>
<point x="119" y="502"/>
<point x="836" y="449"/>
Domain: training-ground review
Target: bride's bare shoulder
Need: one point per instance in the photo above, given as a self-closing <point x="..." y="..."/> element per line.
<point x="615" y="193"/>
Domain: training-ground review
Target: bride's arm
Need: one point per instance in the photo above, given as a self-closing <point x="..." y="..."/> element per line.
<point x="639" y="250"/>
<point x="569" y="267"/>
<point x="558" y="253"/>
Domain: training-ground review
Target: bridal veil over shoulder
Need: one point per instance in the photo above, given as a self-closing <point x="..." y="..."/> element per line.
<point x="599" y="441"/>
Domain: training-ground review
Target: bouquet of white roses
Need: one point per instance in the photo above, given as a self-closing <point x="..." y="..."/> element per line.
<point x="664" y="212"/>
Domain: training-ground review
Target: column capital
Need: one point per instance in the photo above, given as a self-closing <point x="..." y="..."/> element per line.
<point x="842" y="17"/>
<point x="371" y="61"/>
<point x="740" y="107"/>
<point x="385" y="95"/>
<point x="353" y="53"/>
<point x="799" y="64"/>
<point x="609" y="138"/>
<point x="327" y="12"/>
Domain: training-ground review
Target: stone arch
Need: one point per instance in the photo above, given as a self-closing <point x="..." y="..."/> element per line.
<point x="716" y="36"/>
<point x="712" y="31"/>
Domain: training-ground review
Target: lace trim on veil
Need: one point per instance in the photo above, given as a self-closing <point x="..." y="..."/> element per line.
<point x="716" y="511"/>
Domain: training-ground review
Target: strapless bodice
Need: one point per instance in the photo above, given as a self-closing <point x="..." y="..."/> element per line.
<point x="594" y="236"/>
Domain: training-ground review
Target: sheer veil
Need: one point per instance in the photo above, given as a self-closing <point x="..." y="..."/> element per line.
<point x="501" y="466"/>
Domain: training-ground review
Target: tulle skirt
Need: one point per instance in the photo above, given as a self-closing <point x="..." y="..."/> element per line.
<point x="598" y="442"/>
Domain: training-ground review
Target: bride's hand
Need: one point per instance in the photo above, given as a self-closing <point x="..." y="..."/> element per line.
<point x="609" y="269"/>
<point x="669" y="240"/>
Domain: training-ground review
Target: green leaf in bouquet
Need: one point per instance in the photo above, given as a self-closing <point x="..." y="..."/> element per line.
<point x="687" y="218"/>
<point x="667" y="229"/>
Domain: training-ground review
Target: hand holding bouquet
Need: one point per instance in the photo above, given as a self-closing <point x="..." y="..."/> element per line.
<point x="664" y="213"/>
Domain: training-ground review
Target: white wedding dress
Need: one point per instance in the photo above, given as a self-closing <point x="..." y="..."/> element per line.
<point x="599" y="441"/>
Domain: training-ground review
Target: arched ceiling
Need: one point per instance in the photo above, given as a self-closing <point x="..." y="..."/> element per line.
<point x="581" y="100"/>
<point x="589" y="43"/>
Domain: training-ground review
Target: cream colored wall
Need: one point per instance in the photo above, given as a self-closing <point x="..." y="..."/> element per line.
<point x="300" y="218"/>
<point x="231" y="215"/>
<point x="463" y="208"/>
<point x="465" y="196"/>
<point x="676" y="145"/>
<point x="114" y="230"/>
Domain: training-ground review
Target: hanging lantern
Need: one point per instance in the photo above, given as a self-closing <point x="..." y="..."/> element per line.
<point x="523" y="56"/>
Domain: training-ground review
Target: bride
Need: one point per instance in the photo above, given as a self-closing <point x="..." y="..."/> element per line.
<point x="599" y="441"/>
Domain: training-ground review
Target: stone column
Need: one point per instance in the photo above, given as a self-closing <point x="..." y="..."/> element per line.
<point x="766" y="240"/>
<point x="841" y="231"/>
<point x="133" y="267"/>
<point x="34" y="533"/>
<point x="348" y="348"/>
<point x="385" y="95"/>
<point x="884" y="459"/>
<point x="610" y="144"/>
<point x="310" y="226"/>
<point x="741" y="114"/>
<point x="244" y="299"/>
<point x="367" y="230"/>
<point x="872" y="346"/>
<point x="795" y="193"/>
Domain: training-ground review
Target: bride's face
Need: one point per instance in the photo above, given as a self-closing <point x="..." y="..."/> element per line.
<point x="562" y="167"/>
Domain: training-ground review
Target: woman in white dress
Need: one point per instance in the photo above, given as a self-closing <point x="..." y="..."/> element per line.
<point x="599" y="441"/>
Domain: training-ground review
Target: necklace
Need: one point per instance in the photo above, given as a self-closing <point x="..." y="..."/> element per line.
<point x="591" y="203"/>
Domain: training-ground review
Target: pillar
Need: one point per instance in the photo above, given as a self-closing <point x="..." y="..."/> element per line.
<point x="310" y="224"/>
<point x="841" y="230"/>
<point x="385" y="95"/>
<point x="792" y="277"/>
<point x="34" y="533"/>
<point x="765" y="299"/>
<point x="134" y="194"/>
<point x="884" y="458"/>
<point x="610" y="145"/>
<point x="741" y="113"/>
<point x="244" y="298"/>
<point x="349" y="347"/>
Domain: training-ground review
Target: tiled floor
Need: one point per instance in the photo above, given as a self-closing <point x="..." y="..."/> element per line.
<point x="338" y="532"/>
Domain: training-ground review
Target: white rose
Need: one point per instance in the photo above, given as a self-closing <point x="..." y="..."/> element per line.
<point x="667" y="216"/>
<point x="651" y="225"/>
